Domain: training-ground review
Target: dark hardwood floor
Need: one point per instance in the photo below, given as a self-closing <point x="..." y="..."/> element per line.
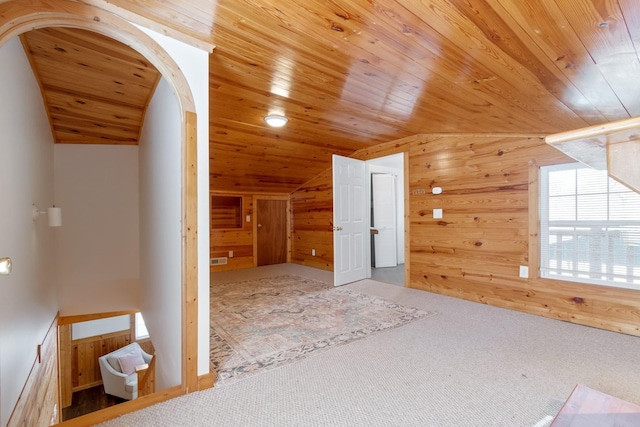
<point x="89" y="400"/>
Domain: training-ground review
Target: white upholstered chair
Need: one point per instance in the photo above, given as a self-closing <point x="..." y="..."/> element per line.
<point x="118" y="370"/>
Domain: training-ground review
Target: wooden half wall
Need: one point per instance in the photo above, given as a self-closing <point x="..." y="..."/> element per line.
<point x="38" y="404"/>
<point x="488" y="229"/>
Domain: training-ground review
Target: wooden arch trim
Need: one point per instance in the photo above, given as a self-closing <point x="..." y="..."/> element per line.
<point x="17" y="18"/>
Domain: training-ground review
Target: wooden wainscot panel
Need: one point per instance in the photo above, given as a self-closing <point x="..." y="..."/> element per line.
<point x="85" y="370"/>
<point x="475" y="250"/>
<point x="38" y="402"/>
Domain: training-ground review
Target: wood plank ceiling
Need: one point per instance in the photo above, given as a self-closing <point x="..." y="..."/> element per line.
<point x="354" y="73"/>
<point x="95" y="89"/>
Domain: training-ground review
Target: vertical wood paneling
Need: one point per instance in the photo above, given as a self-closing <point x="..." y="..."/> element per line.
<point x="37" y="403"/>
<point x="189" y="306"/>
<point x="84" y="357"/>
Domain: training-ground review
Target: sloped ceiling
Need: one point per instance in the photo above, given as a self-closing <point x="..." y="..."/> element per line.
<point x="95" y="89"/>
<point x="354" y="73"/>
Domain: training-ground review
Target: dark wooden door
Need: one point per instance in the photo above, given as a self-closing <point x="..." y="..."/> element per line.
<point x="271" y="216"/>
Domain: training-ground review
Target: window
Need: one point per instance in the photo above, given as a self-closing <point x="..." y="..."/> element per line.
<point x="141" y="328"/>
<point x="589" y="227"/>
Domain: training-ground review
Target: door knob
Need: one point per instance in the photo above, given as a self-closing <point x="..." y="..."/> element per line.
<point x="337" y="228"/>
<point x="259" y="225"/>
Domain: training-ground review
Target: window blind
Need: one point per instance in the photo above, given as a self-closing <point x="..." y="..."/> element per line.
<point x="589" y="227"/>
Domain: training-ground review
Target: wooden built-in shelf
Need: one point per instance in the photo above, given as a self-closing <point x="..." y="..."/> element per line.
<point x="226" y="212"/>
<point x="613" y="146"/>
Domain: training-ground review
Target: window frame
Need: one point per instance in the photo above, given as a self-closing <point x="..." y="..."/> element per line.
<point x="136" y="325"/>
<point x="537" y="186"/>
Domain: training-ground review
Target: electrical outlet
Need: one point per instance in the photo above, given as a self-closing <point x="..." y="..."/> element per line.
<point x="313" y="252"/>
<point x="437" y="213"/>
<point x="248" y="218"/>
<point x="230" y="254"/>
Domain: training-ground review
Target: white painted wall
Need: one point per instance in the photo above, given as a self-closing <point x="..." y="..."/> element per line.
<point x="28" y="300"/>
<point x="91" y="328"/>
<point x="28" y="297"/>
<point x="97" y="247"/>
<point x="160" y="232"/>
<point x="194" y="63"/>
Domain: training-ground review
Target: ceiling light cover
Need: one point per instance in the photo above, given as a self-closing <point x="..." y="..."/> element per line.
<point x="276" y="121"/>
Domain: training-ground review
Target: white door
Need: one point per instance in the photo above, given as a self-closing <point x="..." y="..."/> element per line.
<point x="384" y="219"/>
<point x="350" y="222"/>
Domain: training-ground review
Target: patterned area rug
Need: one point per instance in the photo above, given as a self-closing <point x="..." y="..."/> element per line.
<point x="262" y="324"/>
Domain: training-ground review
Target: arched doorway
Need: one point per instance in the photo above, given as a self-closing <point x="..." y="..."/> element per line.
<point x="19" y="18"/>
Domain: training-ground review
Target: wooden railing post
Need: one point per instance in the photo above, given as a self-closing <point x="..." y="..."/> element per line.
<point x="147" y="378"/>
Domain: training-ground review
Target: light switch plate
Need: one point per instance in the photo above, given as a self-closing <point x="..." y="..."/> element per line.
<point x="437" y="213"/>
<point x="524" y="271"/>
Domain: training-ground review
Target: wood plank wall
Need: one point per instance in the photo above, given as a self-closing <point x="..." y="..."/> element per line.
<point x="238" y="240"/>
<point x="38" y="402"/>
<point x="312" y="225"/>
<point x="85" y="370"/>
<point x="242" y="241"/>
<point x="475" y="250"/>
<point x="312" y="210"/>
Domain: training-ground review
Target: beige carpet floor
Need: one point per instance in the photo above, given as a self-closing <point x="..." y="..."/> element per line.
<point x="471" y="365"/>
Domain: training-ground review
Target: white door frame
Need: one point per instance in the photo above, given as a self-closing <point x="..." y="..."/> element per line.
<point x="405" y="195"/>
<point x="384" y="210"/>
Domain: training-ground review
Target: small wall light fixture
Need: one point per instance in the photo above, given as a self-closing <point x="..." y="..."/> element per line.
<point x="276" y="121"/>
<point x="5" y="266"/>
<point x="54" y="215"/>
<point x="436" y="190"/>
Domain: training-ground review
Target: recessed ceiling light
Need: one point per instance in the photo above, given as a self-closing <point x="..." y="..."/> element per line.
<point x="276" y="121"/>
